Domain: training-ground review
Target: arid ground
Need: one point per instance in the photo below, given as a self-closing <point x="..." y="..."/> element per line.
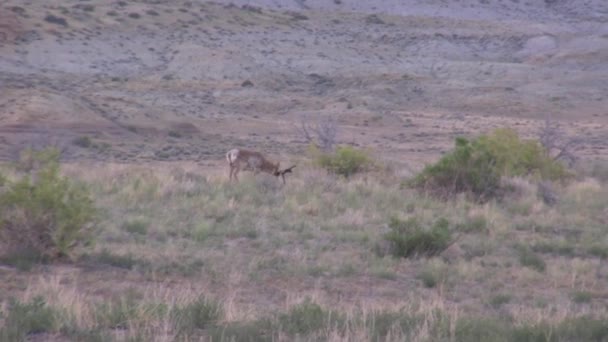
<point x="144" y="98"/>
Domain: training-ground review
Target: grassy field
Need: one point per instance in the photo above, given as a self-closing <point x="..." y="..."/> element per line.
<point x="182" y="254"/>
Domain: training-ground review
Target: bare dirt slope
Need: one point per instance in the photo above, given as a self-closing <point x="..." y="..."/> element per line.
<point x="166" y="80"/>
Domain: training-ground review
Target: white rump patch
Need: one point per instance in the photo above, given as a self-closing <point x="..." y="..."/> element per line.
<point x="232" y="155"/>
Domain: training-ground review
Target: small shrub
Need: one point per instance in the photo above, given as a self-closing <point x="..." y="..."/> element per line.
<point x="85" y="7"/>
<point x="83" y="141"/>
<point x="532" y="260"/>
<point x="581" y="297"/>
<point x="408" y="238"/>
<point x="45" y="212"/>
<point x="429" y="278"/>
<point x="474" y="224"/>
<point x="136" y="227"/>
<point x="345" y="161"/>
<point x="497" y="300"/>
<point x="598" y="250"/>
<point x="134" y="15"/>
<point x="199" y="314"/>
<point x="56" y="20"/>
<point x="174" y="134"/>
<point x="23" y="319"/>
<point x="433" y="273"/>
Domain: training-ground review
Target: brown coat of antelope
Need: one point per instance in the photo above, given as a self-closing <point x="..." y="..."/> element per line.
<point x="240" y="159"/>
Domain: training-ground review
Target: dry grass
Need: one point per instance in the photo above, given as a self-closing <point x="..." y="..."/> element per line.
<point x="172" y="234"/>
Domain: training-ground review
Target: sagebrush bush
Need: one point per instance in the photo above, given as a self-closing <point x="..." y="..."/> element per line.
<point x="475" y="167"/>
<point x="345" y="161"/>
<point x="410" y="239"/>
<point x="44" y="212"/>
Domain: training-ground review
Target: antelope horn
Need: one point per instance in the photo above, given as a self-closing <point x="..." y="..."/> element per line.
<point x="288" y="170"/>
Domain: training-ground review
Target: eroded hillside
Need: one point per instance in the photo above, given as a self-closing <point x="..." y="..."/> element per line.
<point x="167" y="80"/>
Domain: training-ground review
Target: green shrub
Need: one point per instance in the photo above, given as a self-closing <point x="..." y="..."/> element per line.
<point x="83" y="141"/>
<point x="475" y="224"/>
<point x="429" y="277"/>
<point x="345" y="161"/>
<point x="45" y="212"/>
<point x="475" y="167"/>
<point x="23" y="319"/>
<point x="581" y="297"/>
<point x="433" y="273"/>
<point x="532" y="260"/>
<point x="136" y="226"/>
<point x="598" y="250"/>
<point x="497" y="300"/>
<point x="408" y="238"/>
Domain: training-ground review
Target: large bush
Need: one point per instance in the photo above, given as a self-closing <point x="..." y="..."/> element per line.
<point x="44" y="212"/>
<point x="345" y="160"/>
<point x="476" y="166"/>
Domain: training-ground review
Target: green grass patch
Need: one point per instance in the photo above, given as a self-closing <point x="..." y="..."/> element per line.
<point x="530" y="259"/>
<point x="410" y="239"/>
<point x="23" y="319"/>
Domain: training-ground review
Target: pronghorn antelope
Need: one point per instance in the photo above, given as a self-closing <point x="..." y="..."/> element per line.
<point x="240" y="159"/>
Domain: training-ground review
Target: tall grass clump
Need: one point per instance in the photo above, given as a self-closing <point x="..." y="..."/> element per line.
<point x="409" y="238"/>
<point x="345" y="160"/>
<point x="199" y="314"/>
<point x="22" y="319"/>
<point x="43" y="212"/>
<point x="307" y="318"/>
<point x="476" y="167"/>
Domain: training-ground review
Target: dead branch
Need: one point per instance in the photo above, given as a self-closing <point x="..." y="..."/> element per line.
<point x="323" y="133"/>
<point x="555" y="142"/>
